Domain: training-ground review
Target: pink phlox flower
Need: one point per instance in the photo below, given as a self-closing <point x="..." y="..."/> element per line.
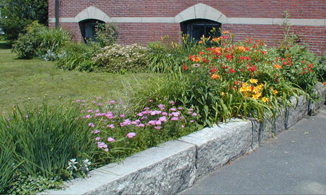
<point x="101" y="145"/>
<point x="151" y="122"/>
<point x="194" y="114"/>
<point x="88" y="116"/>
<point x="174" y="118"/>
<point x="180" y="108"/>
<point x="144" y="118"/>
<point x="83" y="101"/>
<point x="164" y="113"/>
<point x="97" y="138"/>
<point x="111" y="139"/>
<point x="89" y="111"/>
<point x="99" y="104"/>
<point x="173" y="109"/>
<point x="96" y="131"/>
<point x="192" y="121"/>
<point x="91" y="124"/>
<point x="182" y="118"/>
<point x="171" y="102"/>
<point x="140" y="114"/>
<point x="136" y="122"/>
<point x="112" y="102"/>
<point x="182" y="126"/>
<point x="140" y="125"/>
<point x="163" y="119"/>
<point x="82" y="111"/>
<point x="125" y="123"/>
<point x="190" y="109"/>
<point x="150" y="100"/>
<point x="122" y="115"/>
<point x="146" y="108"/>
<point x="158" y="127"/>
<point x="78" y="101"/>
<point x="106" y="149"/>
<point x="131" y="135"/>
<point x="94" y="102"/>
<point x="155" y="112"/>
<point x="176" y="114"/>
<point x="158" y="122"/>
<point x="109" y="115"/>
<point x="111" y="126"/>
<point x="161" y="106"/>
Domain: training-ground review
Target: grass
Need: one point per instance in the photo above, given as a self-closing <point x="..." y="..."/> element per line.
<point x="33" y="81"/>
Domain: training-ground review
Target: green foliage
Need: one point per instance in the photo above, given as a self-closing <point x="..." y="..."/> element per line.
<point x="121" y="58"/>
<point x="40" y="41"/>
<point x="18" y="14"/>
<point x="41" y="140"/>
<point x="70" y="57"/>
<point x="106" y="34"/>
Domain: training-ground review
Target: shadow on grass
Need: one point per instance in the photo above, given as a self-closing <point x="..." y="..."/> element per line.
<point x="5" y="45"/>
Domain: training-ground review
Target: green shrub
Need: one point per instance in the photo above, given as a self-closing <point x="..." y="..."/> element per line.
<point x="77" y="56"/>
<point x="106" y="34"/>
<point x="121" y="58"/>
<point x="40" y="41"/>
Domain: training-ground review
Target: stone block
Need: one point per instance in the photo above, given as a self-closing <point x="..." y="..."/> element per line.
<point x="218" y="145"/>
<point x="167" y="169"/>
<point x="297" y="111"/>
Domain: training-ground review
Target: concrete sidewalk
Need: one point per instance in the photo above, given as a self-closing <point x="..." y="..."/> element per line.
<point x="292" y="163"/>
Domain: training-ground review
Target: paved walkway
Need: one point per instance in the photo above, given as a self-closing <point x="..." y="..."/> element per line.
<point x="292" y="163"/>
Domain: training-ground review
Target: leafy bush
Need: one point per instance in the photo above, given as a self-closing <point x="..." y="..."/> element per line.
<point x="40" y="41"/>
<point x="121" y="58"/>
<point x="106" y="34"/>
<point x="77" y="56"/>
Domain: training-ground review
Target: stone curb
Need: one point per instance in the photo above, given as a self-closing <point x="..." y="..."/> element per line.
<point x="176" y="165"/>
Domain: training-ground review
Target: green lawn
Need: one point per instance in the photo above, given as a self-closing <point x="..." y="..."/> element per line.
<point x="33" y="81"/>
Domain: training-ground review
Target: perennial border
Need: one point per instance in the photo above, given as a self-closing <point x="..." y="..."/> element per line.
<point x="175" y="165"/>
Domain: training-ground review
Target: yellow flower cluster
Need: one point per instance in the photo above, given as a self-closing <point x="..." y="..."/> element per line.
<point x="253" y="90"/>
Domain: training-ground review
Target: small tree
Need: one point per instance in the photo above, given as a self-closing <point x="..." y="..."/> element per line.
<point x="17" y="14"/>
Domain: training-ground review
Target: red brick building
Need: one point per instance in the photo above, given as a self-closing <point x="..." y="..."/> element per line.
<point x="143" y="21"/>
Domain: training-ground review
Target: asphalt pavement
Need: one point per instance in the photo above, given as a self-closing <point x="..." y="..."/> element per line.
<point x="294" y="162"/>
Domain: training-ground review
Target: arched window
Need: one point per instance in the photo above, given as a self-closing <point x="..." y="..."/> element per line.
<point x="87" y="28"/>
<point x="199" y="27"/>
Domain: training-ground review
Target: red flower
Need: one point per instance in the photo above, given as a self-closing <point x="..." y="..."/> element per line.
<point x="232" y="70"/>
<point x="303" y="62"/>
<point x="185" y="67"/>
<point x="284" y="63"/>
<point x="213" y="70"/>
<point x="252" y="69"/>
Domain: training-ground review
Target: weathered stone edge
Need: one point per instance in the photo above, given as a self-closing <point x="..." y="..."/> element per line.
<point x="174" y="166"/>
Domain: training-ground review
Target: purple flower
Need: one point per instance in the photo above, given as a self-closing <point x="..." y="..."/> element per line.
<point x="96" y="131"/>
<point x="101" y="145"/>
<point x="173" y="109"/>
<point x="97" y="111"/>
<point x="122" y="115"/>
<point x="182" y="126"/>
<point x="89" y="111"/>
<point x="26" y="116"/>
<point x="155" y="112"/>
<point x="83" y="101"/>
<point x="112" y="102"/>
<point x="88" y="116"/>
<point x="110" y="139"/>
<point x="194" y="114"/>
<point x="99" y="104"/>
<point x="94" y="102"/>
<point x="140" y="114"/>
<point x="176" y="114"/>
<point x="174" y="118"/>
<point x="158" y="127"/>
<point x="99" y="98"/>
<point x="192" y="121"/>
<point x="158" y="122"/>
<point x="146" y="108"/>
<point x="171" y="102"/>
<point x="161" y="106"/>
<point x="164" y="113"/>
<point x="163" y="119"/>
<point x="111" y="126"/>
<point x="82" y="111"/>
<point x="150" y="100"/>
<point x="91" y="124"/>
<point x="140" y="125"/>
<point x="77" y="101"/>
<point x="8" y="119"/>
<point x="97" y="138"/>
<point x="131" y="135"/>
<point x="106" y="149"/>
<point x="151" y="122"/>
<point x="180" y="108"/>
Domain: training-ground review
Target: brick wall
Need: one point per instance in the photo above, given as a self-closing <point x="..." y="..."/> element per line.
<point x="314" y="36"/>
